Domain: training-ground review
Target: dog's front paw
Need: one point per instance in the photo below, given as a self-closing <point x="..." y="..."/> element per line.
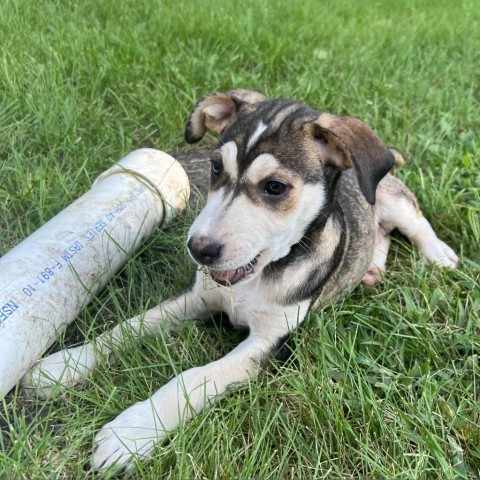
<point x="63" y="368"/>
<point x="132" y="435"/>
<point x="439" y="253"/>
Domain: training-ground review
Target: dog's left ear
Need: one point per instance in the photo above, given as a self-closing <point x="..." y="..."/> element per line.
<point x="217" y="111"/>
<point x="347" y="142"/>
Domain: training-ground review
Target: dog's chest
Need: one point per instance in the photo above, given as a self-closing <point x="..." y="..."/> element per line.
<point x="244" y="304"/>
<point x="253" y="306"/>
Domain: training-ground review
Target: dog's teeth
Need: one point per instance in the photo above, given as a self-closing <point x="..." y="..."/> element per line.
<point x="231" y="277"/>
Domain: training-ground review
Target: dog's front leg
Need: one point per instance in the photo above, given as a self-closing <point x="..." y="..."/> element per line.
<point x="73" y="365"/>
<point x="134" y="433"/>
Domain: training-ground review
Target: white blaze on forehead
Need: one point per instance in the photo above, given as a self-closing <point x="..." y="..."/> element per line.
<point x="263" y="166"/>
<point x="256" y="134"/>
<point x="229" y="156"/>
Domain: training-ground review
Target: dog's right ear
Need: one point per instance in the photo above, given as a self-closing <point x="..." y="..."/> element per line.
<point x="217" y="111"/>
<point x="350" y="142"/>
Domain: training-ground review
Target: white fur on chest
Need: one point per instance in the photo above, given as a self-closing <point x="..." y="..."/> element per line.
<point x="250" y="305"/>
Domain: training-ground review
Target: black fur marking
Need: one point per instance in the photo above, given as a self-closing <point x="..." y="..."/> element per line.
<point x="331" y="175"/>
<point x="320" y="274"/>
<point x="369" y="178"/>
<point x="286" y="345"/>
<point x="283" y="349"/>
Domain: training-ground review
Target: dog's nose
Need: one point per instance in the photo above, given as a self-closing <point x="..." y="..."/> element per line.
<point x="204" y="250"/>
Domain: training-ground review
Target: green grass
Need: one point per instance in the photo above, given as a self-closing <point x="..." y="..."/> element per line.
<point x="384" y="384"/>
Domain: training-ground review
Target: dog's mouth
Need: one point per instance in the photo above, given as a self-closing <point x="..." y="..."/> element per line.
<point x="235" y="275"/>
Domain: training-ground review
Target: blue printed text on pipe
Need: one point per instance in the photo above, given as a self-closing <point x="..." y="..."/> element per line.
<point x="8" y="309"/>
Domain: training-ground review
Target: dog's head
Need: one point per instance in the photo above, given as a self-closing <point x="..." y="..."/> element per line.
<point x="273" y="174"/>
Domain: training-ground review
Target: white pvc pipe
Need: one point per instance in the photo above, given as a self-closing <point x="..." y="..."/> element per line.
<point x="52" y="274"/>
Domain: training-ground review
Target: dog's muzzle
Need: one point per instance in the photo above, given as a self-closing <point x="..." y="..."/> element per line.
<point x="205" y="252"/>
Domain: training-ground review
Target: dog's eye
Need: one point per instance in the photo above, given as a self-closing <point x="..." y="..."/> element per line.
<point x="216" y="168"/>
<point x="275" y="188"/>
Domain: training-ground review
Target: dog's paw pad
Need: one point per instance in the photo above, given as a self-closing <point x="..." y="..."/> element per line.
<point x="132" y="435"/>
<point x="439" y="253"/>
<point x="374" y="275"/>
<point x="64" y="368"/>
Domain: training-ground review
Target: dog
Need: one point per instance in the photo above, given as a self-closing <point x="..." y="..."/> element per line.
<point x="300" y="210"/>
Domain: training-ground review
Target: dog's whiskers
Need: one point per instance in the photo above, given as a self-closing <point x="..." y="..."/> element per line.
<point x="304" y="245"/>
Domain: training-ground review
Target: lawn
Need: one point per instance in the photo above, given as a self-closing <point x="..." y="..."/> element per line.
<point x="384" y="384"/>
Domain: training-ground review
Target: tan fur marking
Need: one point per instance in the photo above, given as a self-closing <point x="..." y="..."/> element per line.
<point x="263" y="166"/>
<point x="218" y="112"/>
<point x="287" y="206"/>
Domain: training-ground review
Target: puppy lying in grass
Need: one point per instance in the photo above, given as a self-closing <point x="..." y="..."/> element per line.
<point x="300" y="210"/>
